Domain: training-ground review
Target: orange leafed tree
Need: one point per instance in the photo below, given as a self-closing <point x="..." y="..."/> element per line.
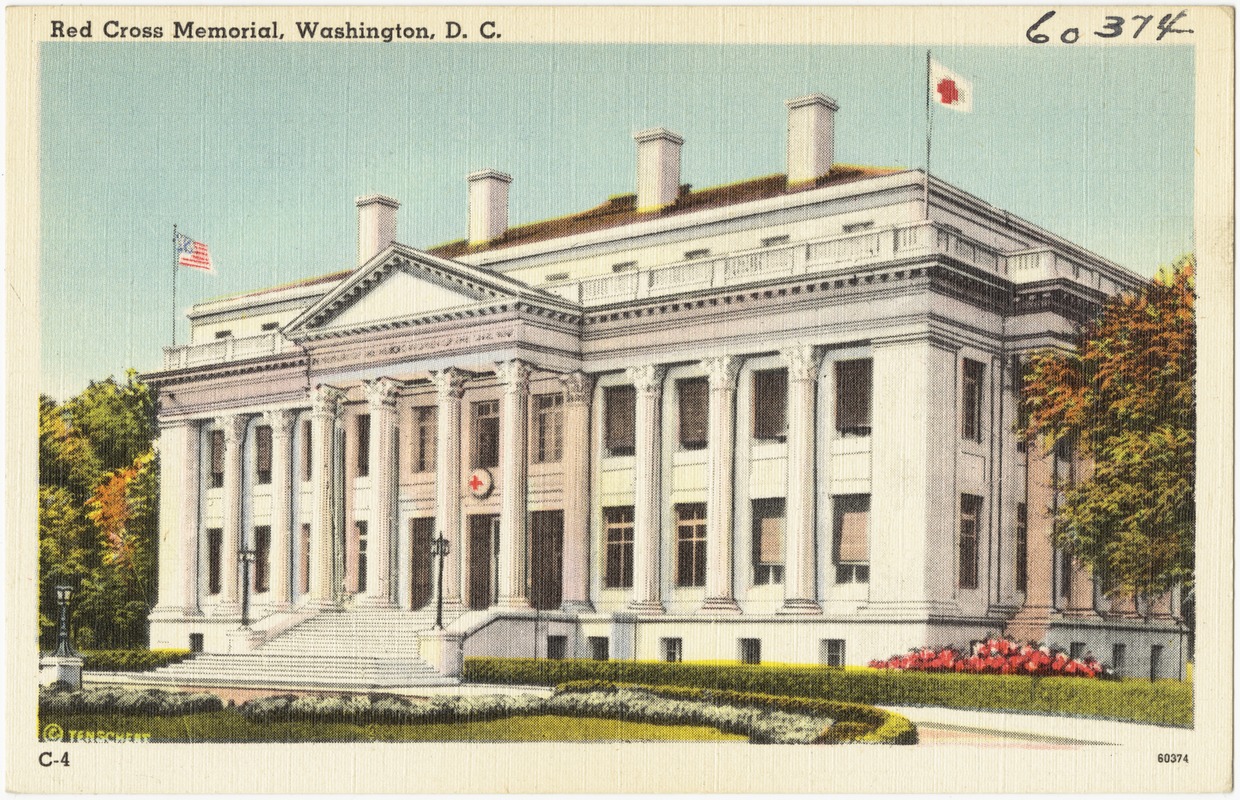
<point x="1125" y="398"/>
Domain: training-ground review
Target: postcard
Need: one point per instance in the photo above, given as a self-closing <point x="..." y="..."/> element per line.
<point x="616" y="400"/>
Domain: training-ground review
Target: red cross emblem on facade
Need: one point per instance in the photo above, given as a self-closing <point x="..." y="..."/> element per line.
<point x="479" y="482"/>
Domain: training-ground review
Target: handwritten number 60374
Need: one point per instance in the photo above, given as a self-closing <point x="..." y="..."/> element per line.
<point x="1112" y="27"/>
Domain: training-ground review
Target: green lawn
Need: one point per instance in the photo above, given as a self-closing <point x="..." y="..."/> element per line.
<point x="229" y="726"/>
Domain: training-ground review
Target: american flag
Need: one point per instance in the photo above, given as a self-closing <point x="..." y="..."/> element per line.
<point x="192" y="254"/>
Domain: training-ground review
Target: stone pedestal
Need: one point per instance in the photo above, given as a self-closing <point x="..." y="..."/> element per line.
<point x="60" y="669"/>
<point x="443" y="651"/>
<point x="244" y="640"/>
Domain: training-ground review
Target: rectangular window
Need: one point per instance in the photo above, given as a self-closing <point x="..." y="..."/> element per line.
<point x="1022" y="547"/>
<point x="486" y="433"/>
<point x="307" y="459"/>
<point x="425" y="424"/>
<point x="831" y="652"/>
<point x="363" y="445"/>
<point x="691" y="544"/>
<point x="270" y="326"/>
<point x="557" y="647"/>
<point x="1156" y="651"/>
<point x="262" y="454"/>
<point x="768" y="541"/>
<point x="361" y="556"/>
<point x="851" y="538"/>
<point x="598" y="648"/>
<point x="1065" y="574"/>
<point x="749" y="651"/>
<point x="770" y="404"/>
<point x="195" y="642"/>
<point x="694" y="398"/>
<point x="970" y="517"/>
<point x="548" y="428"/>
<point x="618" y="572"/>
<point x="1118" y="651"/>
<point x="215" y="551"/>
<point x="262" y="559"/>
<point x="1076" y="650"/>
<point x="673" y="650"/>
<point x="619" y="411"/>
<point x="971" y="400"/>
<point x="854" y="381"/>
<point x="217" y="459"/>
<point x="304" y="577"/>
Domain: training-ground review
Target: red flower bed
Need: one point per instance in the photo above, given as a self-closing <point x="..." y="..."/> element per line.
<point x="996" y="657"/>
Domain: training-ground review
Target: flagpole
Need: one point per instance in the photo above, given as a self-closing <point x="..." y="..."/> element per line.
<point x="174" y="284"/>
<point x="929" y="129"/>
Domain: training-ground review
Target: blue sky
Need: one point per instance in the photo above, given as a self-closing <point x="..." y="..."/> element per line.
<point x="260" y="149"/>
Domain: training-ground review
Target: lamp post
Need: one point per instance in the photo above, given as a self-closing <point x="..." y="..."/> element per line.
<point x="64" y="649"/>
<point x="439" y="547"/>
<point x="246" y="557"/>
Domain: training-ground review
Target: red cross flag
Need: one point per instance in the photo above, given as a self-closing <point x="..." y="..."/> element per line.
<point x="949" y="89"/>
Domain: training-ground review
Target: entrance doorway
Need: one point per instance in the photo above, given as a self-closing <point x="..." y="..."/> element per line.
<point x="421" y="582"/>
<point x="546" y="559"/>
<point x="483" y="560"/>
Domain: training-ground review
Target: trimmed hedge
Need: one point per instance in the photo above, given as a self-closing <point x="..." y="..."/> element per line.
<point x="1158" y="702"/>
<point x="57" y="699"/>
<point x="130" y="660"/>
<point x="853" y="722"/>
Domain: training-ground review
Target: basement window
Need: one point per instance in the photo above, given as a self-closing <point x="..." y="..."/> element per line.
<point x="624" y="266"/>
<point x="702" y="253"/>
<point x="771" y="241"/>
<point x="858" y="226"/>
<point x="556" y="276"/>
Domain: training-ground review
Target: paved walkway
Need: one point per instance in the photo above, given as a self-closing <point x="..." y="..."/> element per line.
<point x="949" y="726"/>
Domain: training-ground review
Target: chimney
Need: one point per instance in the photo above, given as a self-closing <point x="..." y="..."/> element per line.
<point x="658" y="168"/>
<point x="376" y="225"/>
<point x="811" y="137"/>
<point x="488" y="205"/>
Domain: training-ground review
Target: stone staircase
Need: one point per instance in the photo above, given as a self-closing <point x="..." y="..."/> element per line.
<point x="352" y="648"/>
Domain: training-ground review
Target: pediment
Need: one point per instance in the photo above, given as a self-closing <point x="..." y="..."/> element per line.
<point x="403" y="285"/>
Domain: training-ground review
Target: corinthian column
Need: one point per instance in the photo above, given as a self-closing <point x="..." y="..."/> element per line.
<point x="513" y="592"/>
<point x="800" y="584"/>
<point x="381" y="395"/>
<point x="576" y="576"/>
<point x="325" y="406"/>
<point x="449" y="386"/>
<point x="234" y="438"/>
<point x="647" y="482"/>
<point x="281" y="423"/>
<point x="721" y="441"/>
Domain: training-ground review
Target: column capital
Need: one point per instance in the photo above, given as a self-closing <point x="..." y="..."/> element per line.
<point x="515" y="375"/>
<point x="722" y="371"/>
<point x="281" y="421"/>
<point x="233" y="426"/>
<point x="325" y="400"/>
<point x="577" y="387"/>
<point x="381" y="393"/>
<point x="802" y="361"/>
<point x="648" y="378"/>
<point x="449" y="383"/>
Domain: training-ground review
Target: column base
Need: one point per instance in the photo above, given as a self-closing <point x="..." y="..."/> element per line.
<point x="647" y="607"/>
<point x="720" y="605"/>
<point x="799" y="606"/>
<point x="577" y="607"/>
<point x="282" y="607"/>
<point x="514" y="604"/>
<point x="1078" y="613"/>
<point x="226" y="609"/>
<point x="370" y="601"/>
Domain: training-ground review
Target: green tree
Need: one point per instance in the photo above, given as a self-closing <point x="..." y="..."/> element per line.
<point x="98" y="509"/>
<point x="1124" y="397"/>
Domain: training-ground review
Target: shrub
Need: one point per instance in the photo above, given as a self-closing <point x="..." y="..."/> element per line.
<point x="1159" y="702"/>
<point x="130" y="660"/>
<point x="119" y="700"/>
<point x="997" y="657"/>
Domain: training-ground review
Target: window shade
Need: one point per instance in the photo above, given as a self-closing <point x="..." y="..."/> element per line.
<point x="620" y="408"/>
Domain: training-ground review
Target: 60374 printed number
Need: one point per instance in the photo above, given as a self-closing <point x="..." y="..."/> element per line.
<point x="1173" y="758"/>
